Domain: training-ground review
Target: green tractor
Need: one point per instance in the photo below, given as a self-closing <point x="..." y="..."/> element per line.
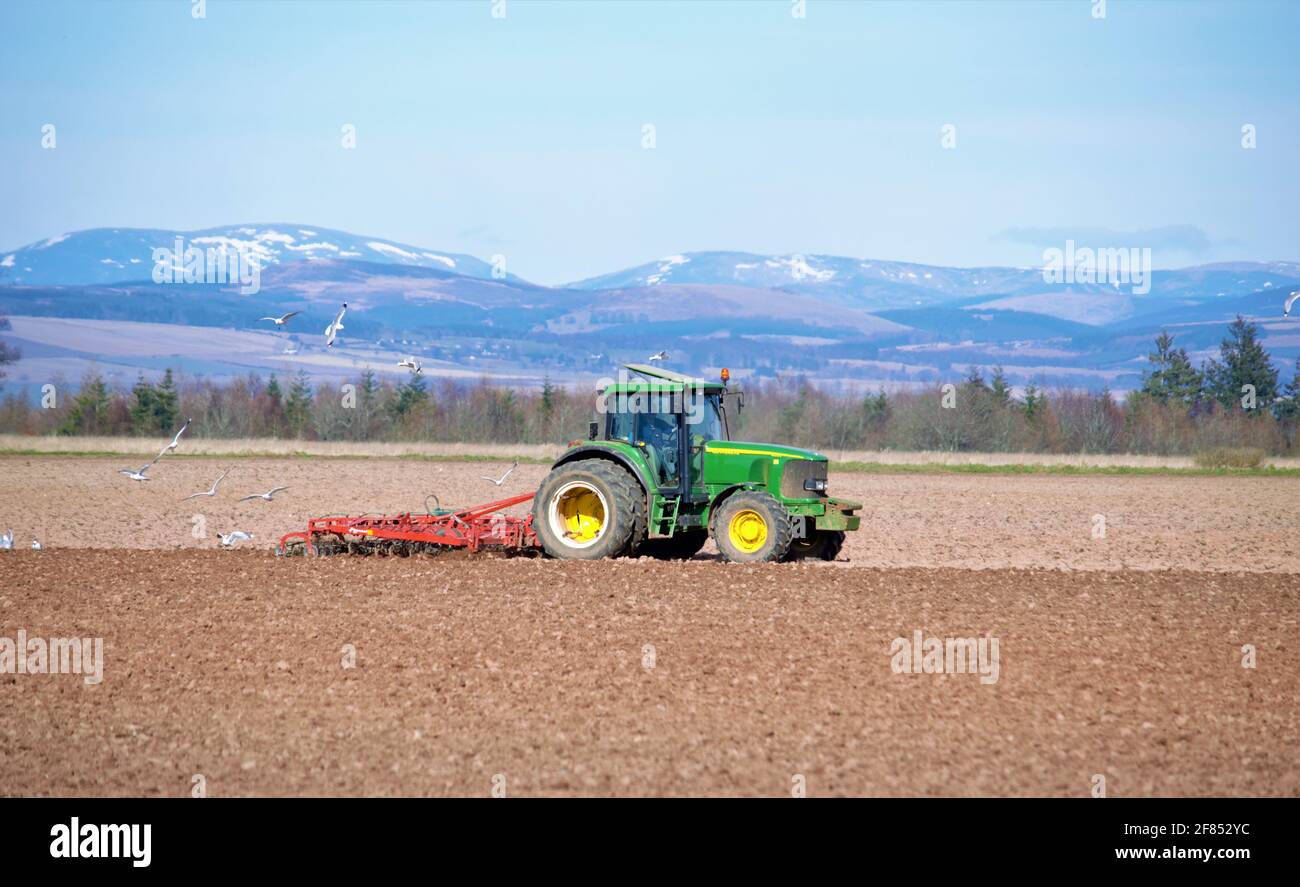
<point x="659" y="474"/>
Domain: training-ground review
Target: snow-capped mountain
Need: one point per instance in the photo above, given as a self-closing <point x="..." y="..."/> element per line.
<point x="849" y="281"/>
<point x="877" y="285"/>
<point x="311" y="261"/>
<point x="113" y="255"/>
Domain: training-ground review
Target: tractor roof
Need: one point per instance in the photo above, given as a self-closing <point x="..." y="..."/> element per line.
<point x="662" y="380"/>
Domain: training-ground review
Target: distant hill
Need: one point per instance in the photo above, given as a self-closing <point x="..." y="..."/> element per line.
<point x="876" y="285"/>
<point x="116" y="255"/>
<point x="861" y="283"/>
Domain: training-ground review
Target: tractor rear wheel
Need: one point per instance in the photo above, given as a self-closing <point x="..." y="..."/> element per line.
<point x="682" y="546"/>
<point x="820" y="545"/>
<point x="752" y="527"/>
<point x="587" y="510"/>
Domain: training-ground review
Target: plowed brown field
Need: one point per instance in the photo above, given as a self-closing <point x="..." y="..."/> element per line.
<point x="639" y="677"/>
<point x="1229" y="524"/>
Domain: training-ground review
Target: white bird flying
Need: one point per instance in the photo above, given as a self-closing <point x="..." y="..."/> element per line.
<point x="6" y="540"/>
<point x="175" y="441"/>
<point x="229" y="540"/>
<point x="267" y="495"/>
<point x="1286" y="309"/>
<point x="137" y="473"/>
<point x="280" y="321"/>
<point x="332" y="331"/>
<point x="411" y="364"/>
<point x="211" y="491"/>
<point x="661" y="356"/>
<point x="499" y="482"/>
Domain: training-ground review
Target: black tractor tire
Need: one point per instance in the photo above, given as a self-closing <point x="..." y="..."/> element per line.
<point x="679" y="547"/>
<point x="820" y="545"/>
<point x="587" y="510"/>
<point x="751" y="527"/>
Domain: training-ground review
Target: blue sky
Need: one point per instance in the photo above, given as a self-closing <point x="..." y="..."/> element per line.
<point x="523" y="136"/>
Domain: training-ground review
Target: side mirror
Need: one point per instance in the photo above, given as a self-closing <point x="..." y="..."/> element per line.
<point x="592" y="430"/>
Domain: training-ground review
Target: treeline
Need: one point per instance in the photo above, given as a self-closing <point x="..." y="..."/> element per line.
<point x="1234" y="401"/>
<point x="368" y="409"/>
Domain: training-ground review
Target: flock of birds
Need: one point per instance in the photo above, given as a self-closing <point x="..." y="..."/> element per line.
<point x="228" y="540"/>
<point x="233" y="538"/>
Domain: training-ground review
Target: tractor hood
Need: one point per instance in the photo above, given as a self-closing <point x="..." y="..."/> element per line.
<point x="780" y="470"/>
<point x="770" y="451"/>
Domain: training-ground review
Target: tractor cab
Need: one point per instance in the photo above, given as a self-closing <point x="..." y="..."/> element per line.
<point x="670" y="418"/>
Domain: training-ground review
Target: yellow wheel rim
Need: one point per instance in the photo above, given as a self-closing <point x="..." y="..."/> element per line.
<point x="747" y="531"/>
<point x="579" y="511"/>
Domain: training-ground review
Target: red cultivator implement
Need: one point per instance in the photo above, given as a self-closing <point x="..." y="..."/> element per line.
<point x="473" y="528"/>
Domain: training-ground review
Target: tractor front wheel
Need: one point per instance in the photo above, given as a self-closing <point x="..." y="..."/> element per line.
<point x="587" y="510"/>
<point x="752" y="527"/>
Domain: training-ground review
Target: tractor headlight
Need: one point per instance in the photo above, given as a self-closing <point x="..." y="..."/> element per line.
<point x="815" y="485"/>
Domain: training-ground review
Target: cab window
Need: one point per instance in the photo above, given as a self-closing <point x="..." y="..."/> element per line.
<point x="622" y="427"/>
<point x="705" y="420"/>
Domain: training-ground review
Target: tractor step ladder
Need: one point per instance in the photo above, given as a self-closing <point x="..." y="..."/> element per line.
<point x="668" y="516"/>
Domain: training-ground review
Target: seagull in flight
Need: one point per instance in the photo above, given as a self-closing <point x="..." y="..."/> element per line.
<point x="212" y="491"/>
<point x="6" y="540"/>
<point x="137" y="473"/>
<point x="175" y="441"/>
<point x="332" y="331"/>
<point x="267" y="495"/>
<point x="659" y="357"/>
<point x="229" y="540"/>
<point x="282" y="319"/>
<point x="411" y="364"/>
<point x="1286" y="309"/>
<point x="502" y="479"/>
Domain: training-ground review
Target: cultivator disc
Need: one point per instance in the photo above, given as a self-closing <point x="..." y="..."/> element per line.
<point x="473" y="529"/>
